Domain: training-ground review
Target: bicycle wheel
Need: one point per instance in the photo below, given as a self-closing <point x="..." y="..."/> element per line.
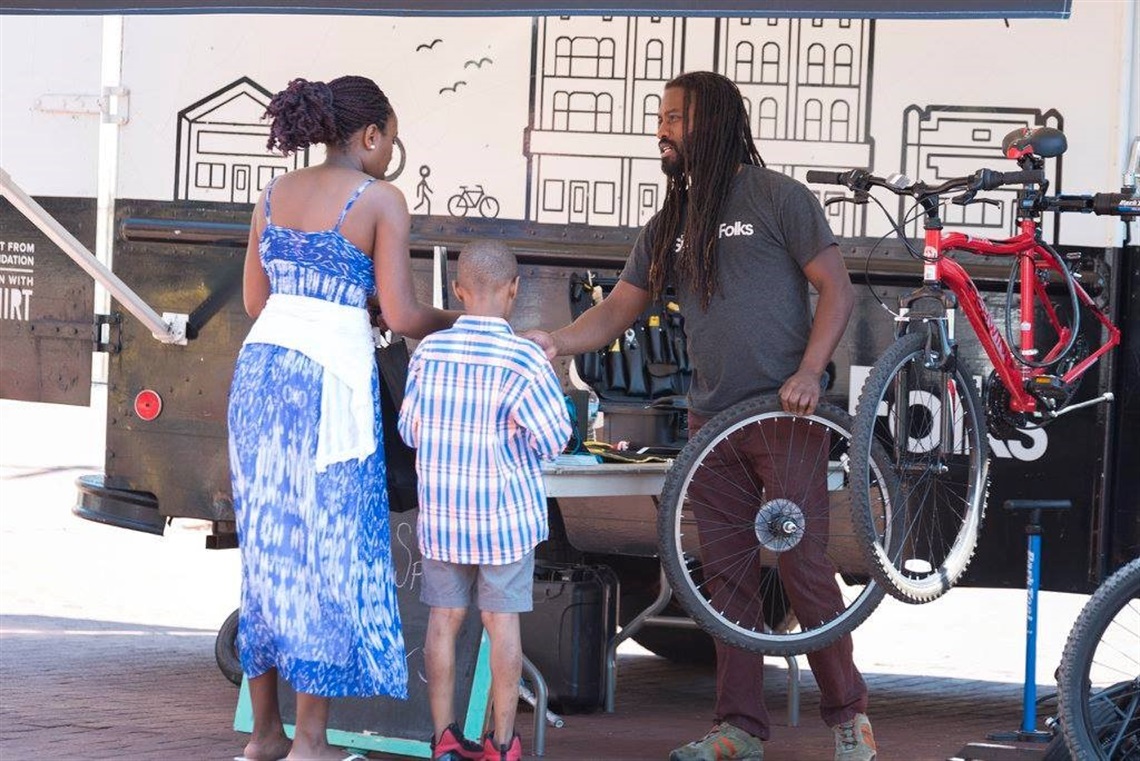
<point x="1099" y="680"/>
<point x="940" y="466"/>
<point x="458" y="205"/>
<point x="755" y="534"/>
<point x="489" y="207"/>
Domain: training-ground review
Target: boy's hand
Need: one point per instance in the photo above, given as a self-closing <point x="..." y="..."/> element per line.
<point x="544" y="340"/>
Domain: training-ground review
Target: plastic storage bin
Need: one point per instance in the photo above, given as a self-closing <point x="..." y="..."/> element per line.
<point x="565" y="636"/>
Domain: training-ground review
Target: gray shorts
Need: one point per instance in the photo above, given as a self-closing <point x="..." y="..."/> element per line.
<point x="491" y="588"/>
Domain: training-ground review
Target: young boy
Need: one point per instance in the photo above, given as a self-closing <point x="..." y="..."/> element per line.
<point x="482" y="407"/>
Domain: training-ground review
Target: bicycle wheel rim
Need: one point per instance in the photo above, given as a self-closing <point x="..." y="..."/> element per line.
<point x="1100" y="673"/>
<point x="941" y="491"/>
<point x="754" y="574"/>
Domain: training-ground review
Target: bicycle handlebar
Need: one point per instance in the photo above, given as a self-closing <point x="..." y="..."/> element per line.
<point x="983" y="179"/>
<point x="1101" y="204"/>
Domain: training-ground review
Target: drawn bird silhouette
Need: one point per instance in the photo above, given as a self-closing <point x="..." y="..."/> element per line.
<point x="452" y="88"/>
<point x="478" y="64"/>
<point x="427" y="45"/>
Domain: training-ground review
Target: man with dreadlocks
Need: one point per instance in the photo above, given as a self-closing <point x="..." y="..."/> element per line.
<point x="740" y="244"/>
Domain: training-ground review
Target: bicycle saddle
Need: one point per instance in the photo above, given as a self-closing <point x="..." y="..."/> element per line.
<point x="1045" y="142"/>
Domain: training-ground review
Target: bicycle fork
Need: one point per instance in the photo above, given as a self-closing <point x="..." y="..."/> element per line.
<point x="939" y="354"/>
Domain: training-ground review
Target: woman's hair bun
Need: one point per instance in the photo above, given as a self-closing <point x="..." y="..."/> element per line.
<point x="302" y="115"/>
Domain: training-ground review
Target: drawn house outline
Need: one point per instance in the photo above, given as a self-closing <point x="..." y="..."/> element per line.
<point x="940" y="142"/>
<point x="596" y="85"/>
<point x="221" y="154"/>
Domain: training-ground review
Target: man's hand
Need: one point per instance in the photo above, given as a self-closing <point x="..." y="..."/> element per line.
<point x="544" y="340"/>
<point x="800" y="393"/>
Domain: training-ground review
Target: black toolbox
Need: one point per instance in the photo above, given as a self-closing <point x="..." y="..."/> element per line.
<point x="566" y="635"/>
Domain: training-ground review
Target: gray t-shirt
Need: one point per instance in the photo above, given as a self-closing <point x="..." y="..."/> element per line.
<point x="753" y="335"/>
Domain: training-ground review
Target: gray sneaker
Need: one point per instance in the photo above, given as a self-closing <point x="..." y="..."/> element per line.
<point x="723" y="743"/>
<point x="854" y="740"/>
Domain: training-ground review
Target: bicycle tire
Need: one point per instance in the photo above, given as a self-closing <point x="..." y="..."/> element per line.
<point x="1098" y="683"/>
<point x="939" y="496"/>
<point x="770" y="625"/>
<point x="488" y="207"/>
<point x="458" y="206"/>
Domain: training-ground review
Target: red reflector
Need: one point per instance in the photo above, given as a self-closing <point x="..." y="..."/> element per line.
<point x="148" y="404"/>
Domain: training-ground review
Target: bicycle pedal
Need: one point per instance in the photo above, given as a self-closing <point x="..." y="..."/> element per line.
<point x="1049" y="387"/>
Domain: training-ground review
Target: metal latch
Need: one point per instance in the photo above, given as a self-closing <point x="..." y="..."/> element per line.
<point x="107" y="333"/>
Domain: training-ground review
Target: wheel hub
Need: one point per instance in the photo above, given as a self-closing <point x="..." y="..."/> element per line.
<point x="779" y="524"/>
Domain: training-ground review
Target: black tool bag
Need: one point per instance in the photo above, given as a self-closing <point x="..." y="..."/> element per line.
<point x="647" y="366"/>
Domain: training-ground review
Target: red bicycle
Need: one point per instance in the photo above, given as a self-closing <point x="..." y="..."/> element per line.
<point x="920" y="402"/>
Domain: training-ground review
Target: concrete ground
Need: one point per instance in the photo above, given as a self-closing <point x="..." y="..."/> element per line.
<point x="107" y="642"/>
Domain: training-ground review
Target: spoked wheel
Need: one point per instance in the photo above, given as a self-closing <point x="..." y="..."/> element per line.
<point x="929" y="422"/>
<point x="1099" y="681"/>
<point x="755" y="533"/>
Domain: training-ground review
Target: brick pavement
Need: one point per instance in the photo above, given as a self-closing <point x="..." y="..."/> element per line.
<point x="107" y="638"/>
<point x="75" y="688"/>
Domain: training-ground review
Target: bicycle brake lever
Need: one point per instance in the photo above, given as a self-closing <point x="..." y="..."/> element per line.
<point x="964" y="198"/>
<point x="961" y="201"/>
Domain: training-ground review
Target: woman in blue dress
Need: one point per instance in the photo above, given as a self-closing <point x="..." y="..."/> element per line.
<point x="318" y="602"/>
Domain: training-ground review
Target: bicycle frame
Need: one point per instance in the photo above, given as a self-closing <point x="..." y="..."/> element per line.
<point x="939" y="269"/>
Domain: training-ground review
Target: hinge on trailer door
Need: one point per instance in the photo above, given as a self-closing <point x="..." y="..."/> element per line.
<point x="112" y="105"/>
<point x="107" y="333"/>
<point x="115" y="105"/>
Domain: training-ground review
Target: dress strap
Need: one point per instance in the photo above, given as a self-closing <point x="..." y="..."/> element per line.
<point x="268" y="193"/>
<point x="351" y="201"/>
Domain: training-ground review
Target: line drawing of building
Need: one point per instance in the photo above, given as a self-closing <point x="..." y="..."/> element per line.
<point x="807" y="86"/>
<point x="595" y="93"/>
<point x="221" y="146"/>
<point x="940" y="142"/>
<point x="596" y="85"/>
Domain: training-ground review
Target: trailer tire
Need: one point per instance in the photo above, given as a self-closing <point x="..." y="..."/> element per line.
<point x="225" y="649"/>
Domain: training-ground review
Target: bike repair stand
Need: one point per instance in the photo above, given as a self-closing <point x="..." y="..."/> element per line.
<point x="1029" y="731"/>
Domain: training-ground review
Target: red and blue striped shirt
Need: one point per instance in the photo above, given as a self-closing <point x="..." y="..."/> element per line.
<point x="482" y="407"/>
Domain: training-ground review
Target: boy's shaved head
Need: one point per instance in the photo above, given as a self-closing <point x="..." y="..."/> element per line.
<point x="485" y="265"/>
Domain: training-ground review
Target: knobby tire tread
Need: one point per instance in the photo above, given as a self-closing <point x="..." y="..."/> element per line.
<point x="863" y="438"/>
<point x="1076" y="659"/>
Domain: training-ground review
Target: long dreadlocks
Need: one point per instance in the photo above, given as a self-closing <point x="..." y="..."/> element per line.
<point x="716" y="143"/>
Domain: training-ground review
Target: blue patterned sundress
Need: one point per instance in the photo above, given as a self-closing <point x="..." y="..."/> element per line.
<point x="318" y="597"/>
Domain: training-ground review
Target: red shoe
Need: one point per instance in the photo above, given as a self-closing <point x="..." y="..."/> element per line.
<point x="512" y="752"/>
<point x="453" y="746"/>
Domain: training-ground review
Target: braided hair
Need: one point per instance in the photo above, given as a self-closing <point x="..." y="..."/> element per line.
<point x="306" y="113"/>
<point x="715" y="145"/>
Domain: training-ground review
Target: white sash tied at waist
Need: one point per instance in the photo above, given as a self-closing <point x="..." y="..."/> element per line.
<point x="339" y="338"/>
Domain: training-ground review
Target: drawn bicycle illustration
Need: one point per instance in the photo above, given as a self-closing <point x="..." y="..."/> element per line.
<point x="472" y="197"/>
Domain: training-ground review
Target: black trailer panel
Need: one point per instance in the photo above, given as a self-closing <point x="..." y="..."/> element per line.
<point x="46" y="301"/>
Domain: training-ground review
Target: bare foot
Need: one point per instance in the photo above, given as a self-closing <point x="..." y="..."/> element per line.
<point x="320" y="753"/>
<point x="267" y="748"/>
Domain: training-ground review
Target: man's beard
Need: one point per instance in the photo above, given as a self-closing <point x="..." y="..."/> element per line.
<point x="673" y="166"/>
